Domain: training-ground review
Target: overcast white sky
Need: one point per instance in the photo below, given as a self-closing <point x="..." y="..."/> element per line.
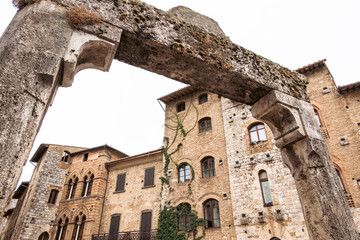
<point x="120" y="108"/>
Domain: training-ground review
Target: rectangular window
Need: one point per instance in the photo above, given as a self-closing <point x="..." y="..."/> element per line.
<point x="145" y="226"/>
<point x="53" y="195"/>
<point x="149" y="177"/>
<point x="114" y="226"/>
<point x="86" y="156"/>
<point x="358" y="181"/>
<point x="120" y="182"/>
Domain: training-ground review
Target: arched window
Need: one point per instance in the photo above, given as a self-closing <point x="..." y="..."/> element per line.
<point x="208" y="167"/>
<point x="79" y="226"/>
<point x="44" y="236"/>
<point x="180" y="107"/>
<point x="87" y="186"/>
<point x="275" y="238"/>
<point x="65" y="156"/>
<point x="265" y="188"/>
<point x="69" y="190"/>
<point x="184" y="173"/>
<point x="72" y="187"/>
<point x="61" y="229"/>
<point x="211" y="213"/>
<point x="317" y="117"/>
<point x="257" y="133"/>
<point x="184" y="216"/>
<point x="205" y="125"/>
<point x="203" y="98"/>
<point x="339" y="178"/>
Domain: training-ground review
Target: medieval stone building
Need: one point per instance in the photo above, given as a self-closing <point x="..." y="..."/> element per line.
<point x="227" y="168"/>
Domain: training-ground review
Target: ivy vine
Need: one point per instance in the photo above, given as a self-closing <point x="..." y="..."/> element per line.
<point x="169" y="216"/>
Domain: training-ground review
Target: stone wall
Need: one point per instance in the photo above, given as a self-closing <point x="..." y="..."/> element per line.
<point x="36" y="215"/>
<point x="135" y="198"/>
<point x="195" y="147"/>
<point x="340" y="117"/>
<point x="252" y="219"/>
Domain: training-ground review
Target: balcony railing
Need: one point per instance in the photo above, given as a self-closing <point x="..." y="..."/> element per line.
<point x="132" y="235"/>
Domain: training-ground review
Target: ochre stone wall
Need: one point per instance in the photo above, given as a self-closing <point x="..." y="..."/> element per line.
<point x="340" y="116"/>
<point x="91" y="205"/>
<point x="135" y="198"/>
<point x="195" y="147"/>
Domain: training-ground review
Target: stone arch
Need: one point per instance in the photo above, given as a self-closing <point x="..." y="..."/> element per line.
<point x="184" y="199"/>
<point x="63" y="214"/>
<point x="82" y="209"/>
<point x="209" y="195"/>
<point x="74" y="174"/>
<point x="86" y="172"/>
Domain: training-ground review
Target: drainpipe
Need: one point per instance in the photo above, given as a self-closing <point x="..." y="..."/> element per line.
<point x="102" y="208"/>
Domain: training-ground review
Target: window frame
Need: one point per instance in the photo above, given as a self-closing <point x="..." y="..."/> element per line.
<point x="340" y="179"/>
<point x="210" y="170"/>
<point x="180" y="107"/>
<point x="358" y="182"/>
<point x="120" y="187"/>
<point x="53" y="196"/>
<point x="44" y="236"/>
<point x="203" y="98"/>
<point x="211" y="200"/>
<point x="261" y="180"/>
<point x="65" y="156"/>
<point x="257" y="130"/>
<point x="182" y="167"/>
<point x="152" y="180"/>
<point x="205" y="125"/>
<point x="184" y="215"/>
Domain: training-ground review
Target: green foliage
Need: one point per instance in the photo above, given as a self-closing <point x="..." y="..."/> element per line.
<point x="168" y="224"/>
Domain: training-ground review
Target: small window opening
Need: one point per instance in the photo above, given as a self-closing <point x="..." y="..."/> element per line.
<point x="243" y="215"/>
<point x="86" y="156"/>
<point x="358" y="182"/>
<point x="261" y="214"/>
<point x="278" y="211"/>
<point x="65" y="156"/>
<point x="203" y="98"/>
<point x="205" y="125"/>
<point x="180" y="107"/>
<point x="53" y="195"/>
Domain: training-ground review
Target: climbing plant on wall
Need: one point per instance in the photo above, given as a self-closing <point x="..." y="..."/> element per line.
<point x="169" y="216"/>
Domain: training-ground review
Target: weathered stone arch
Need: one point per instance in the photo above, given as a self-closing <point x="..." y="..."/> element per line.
<point x="36" y="57"/>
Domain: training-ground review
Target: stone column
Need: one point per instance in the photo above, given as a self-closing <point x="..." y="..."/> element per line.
<point x="39" y="52"/>
<point x="304" y="151"/>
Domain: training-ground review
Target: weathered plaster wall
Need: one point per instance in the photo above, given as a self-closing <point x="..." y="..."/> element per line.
<point x="245" y="161"/>
<point x="135" y="199"/>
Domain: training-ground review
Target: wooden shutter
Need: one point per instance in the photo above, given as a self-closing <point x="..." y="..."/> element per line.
<point x="149" y="177"/>
<point x="114" y="226"/>
<point x="120" y="182"/>
<point x="145" y="226"/>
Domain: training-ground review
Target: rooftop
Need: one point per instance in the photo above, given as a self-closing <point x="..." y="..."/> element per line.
<point x="311" y="66"/>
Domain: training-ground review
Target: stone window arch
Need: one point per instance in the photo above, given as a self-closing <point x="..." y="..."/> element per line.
<point x="211" y="213"/>
<point x="203" y="98"/>
<point x="265" y="188"/>
<point x="87" y="184"/>
<point x="65" y="156"/>
<point x="318" y="116"/>
<point x="61" y="228"/>
<point x="184" y="173"/>
<point x="184" y="216"/>
<point x="44" y="236"/>
<point x="205" y="124"/>
<point x="257" y="133"/>
<point x="275" y="238"/>
<point x="340" y="180"/>
<point x="79" y="225"/>
<point x="208" y="167"/>
<point x="72" y="184"/>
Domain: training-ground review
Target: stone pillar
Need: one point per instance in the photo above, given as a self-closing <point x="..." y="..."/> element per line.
<point x="304" y="151"/>
<point x="39" y="52"/>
